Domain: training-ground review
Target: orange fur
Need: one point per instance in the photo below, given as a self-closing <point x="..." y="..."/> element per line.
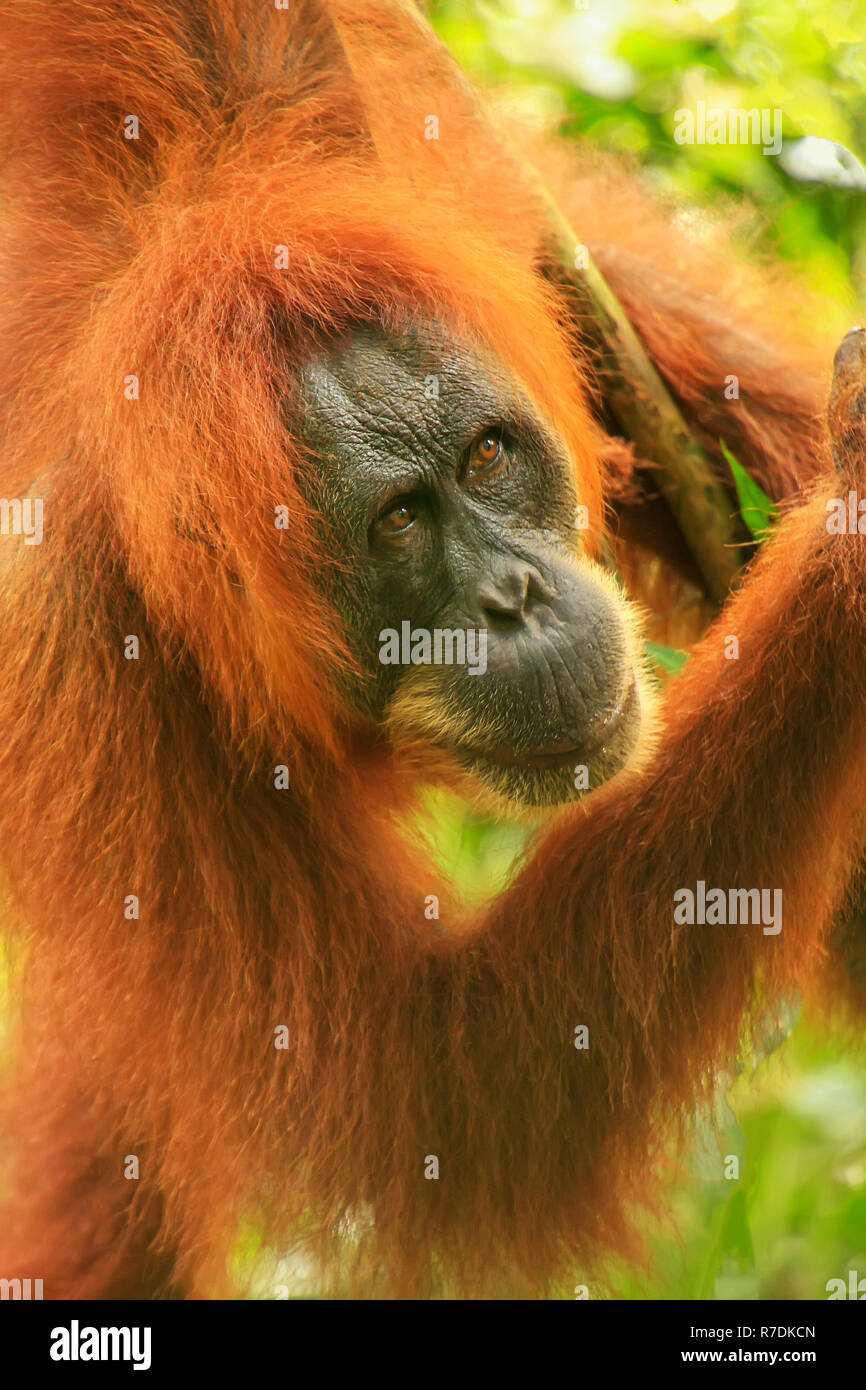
<point x="304" y="128"/>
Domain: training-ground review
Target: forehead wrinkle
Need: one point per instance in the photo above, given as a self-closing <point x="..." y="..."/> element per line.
<point x="390" y="407"/>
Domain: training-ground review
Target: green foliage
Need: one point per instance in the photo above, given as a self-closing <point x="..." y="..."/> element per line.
<point x="797" y="1215"/>
<point x="617" y="74"/>
<point x="472" y="849"/>
<point x="758" y="512"/>
<point x="668" y="659"/>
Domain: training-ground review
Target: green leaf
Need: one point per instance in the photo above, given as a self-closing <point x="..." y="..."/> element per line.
<point x="756" y="509"/>
<point x="668" y="658"/>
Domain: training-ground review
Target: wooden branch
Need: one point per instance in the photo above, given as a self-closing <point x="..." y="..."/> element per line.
<point x="704" y="509"/>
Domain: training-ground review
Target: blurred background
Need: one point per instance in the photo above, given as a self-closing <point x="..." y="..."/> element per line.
<point x="614" y="72"/>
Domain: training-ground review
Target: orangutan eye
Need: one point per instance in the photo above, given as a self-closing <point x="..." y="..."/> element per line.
<point x="486" y="455"/>
<point x="396" y="520"/>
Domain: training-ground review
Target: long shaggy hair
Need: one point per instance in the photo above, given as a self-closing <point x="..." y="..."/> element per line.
<point x="169" y="908"/>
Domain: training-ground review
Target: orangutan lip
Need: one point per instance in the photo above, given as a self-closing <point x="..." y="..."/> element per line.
<point x="601" y="732"/>
<point x="604" y="728"/>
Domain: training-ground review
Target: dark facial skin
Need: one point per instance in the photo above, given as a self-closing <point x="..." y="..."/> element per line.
<point x="449" y="504"/>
